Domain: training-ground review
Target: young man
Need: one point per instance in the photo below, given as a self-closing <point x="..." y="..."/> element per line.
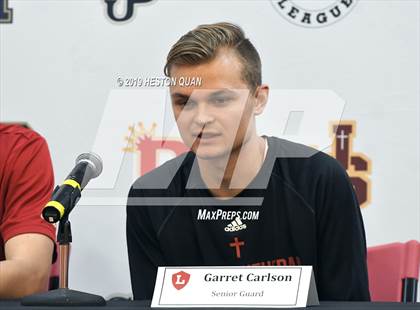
<point x="26" y="184"/>
<point x="238" y="198"/>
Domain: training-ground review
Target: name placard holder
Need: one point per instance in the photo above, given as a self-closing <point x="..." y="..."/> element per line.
<point x="235" y="286"/>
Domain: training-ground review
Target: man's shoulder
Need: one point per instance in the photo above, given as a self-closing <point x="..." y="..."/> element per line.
<point x="153" y="194"/>
<point x="166" y="178"/>
<point x="299" y="157"/>
<point x="306" y="171"/>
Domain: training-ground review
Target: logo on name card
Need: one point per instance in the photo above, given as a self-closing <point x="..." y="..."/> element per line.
<point x="314" y="13"/>
<point x="180" y="279"/>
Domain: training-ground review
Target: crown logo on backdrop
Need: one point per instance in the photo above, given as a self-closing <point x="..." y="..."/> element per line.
<point x="137" y="134"/>
<point x="148" y="145"/>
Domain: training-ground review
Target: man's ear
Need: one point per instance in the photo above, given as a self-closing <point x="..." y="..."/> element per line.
<point x="261" y="98"/>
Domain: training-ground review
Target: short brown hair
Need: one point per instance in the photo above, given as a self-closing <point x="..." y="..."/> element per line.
<point x="201" y="45"/>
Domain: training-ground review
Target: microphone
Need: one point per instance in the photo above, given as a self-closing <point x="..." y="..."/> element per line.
<point x="65" y="196"/>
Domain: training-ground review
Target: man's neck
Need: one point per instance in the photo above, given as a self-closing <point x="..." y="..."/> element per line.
<point x="227" y="177"/>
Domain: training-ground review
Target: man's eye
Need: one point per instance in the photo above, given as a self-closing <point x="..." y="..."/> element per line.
<point x="220" y="100"/>
<point x="185" y="103"/>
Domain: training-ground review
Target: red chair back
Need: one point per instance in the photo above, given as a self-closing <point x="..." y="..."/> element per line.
<point x="389" y="266"/>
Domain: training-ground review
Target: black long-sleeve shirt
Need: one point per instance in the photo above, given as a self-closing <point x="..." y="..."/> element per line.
<point x="300" y="209"/>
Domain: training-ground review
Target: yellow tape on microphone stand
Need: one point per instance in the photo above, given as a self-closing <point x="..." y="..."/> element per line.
<point x="72" y="183"/>
<point x="58" y="206"/>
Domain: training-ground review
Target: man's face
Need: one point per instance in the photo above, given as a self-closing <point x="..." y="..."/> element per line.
<point x="218" y="115"/>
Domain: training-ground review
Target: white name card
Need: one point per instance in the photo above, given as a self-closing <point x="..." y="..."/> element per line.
<point x="238" y="286"/>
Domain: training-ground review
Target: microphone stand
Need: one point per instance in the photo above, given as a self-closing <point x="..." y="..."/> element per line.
<point x="64" y="239"/>
<point x="63" y="296"/>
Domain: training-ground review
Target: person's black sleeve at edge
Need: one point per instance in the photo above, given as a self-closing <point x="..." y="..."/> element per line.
<point x="341" y="252"/>
<point x="144" y="255"/>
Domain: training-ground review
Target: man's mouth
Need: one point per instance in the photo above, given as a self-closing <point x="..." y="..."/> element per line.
<point x="206" y="135"/>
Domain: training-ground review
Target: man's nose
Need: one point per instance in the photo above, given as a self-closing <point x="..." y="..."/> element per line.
<point x="203" y="114"/>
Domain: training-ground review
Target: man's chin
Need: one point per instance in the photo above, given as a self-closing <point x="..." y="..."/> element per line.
<point x="205" y="154"/>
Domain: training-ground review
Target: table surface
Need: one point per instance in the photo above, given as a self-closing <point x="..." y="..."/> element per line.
<point x="15" y="304"/>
